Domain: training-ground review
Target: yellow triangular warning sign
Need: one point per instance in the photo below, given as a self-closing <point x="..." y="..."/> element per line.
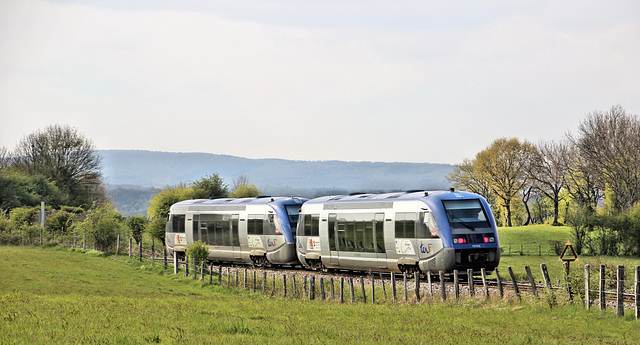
<point x="571" y="256"/>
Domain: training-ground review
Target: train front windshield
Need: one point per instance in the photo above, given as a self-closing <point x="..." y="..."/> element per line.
<point x="466" y="214"/>
<point x="293" y="212"/>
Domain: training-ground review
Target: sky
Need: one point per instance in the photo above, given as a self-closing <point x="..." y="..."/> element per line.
<point x="386" y="81"/>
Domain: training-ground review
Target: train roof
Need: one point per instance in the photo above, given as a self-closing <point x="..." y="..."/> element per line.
<point x="260" y="200"/>
<point x="397" y="196"/>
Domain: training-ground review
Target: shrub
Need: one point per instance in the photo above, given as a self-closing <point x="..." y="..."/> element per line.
<point x="198" y="251"/>
<point x="103" y="224"/>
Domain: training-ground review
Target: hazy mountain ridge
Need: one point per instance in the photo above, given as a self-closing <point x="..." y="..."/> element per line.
<point x="135" y="169"/>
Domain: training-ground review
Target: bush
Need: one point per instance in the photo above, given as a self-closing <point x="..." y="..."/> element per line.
<point x="103" y="224"/>
<point x="198" y="251"/>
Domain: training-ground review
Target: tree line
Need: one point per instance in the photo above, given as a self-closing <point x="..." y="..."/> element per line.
<point x="60" y="166"/>
<point x="589" y="180"/>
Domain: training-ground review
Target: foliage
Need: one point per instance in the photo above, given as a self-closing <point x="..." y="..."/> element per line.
<point x="245" y="191"/>
<point x="24" y="216"/>
<point x="65" y="156"/>
<point x="609" y="143"/>
<point x="161" y="202"/>
<point x="21" y="189"/>
<point x="198" y="251"/>
<point x="211" y="186"/>
<point x="137" y="225"/>
<point x="60" y="221"/>
<point x="103" y="224"/>
<point x="157" y="229"/>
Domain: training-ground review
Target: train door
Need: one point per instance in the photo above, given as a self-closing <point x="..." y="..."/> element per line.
<point x="379" y="244"/>
<point x="235" y="237"/>
<point x="255" y="234"/>
<point x="356" y="240"/>
<point x="333" y="240"/>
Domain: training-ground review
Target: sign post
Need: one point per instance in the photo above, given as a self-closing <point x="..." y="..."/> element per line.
<point x="569" y="259"/>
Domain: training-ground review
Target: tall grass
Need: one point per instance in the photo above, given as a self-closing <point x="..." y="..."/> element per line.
<point x="55" y="295"/>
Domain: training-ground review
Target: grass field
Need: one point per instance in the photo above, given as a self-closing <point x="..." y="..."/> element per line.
<point x="55" y="295"/>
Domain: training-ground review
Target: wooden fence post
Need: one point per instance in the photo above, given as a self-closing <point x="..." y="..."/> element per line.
<point x="284" y="284"/>
<point x="620" y="292"/>
<point x="456" y="284"/>
<point x="472" y="289"/>
<point x="153" y="251"/>
<point x="601" y="292"/>
<point x="545" y="275"/>
<point x="364" y="295"/>
<point x="210" y="273"/>
<point x="131" y="245"/>
<point x="175" y="263"/>
<point x="373" y="289"/>
<point x="417" y="279"/>
<point x="195" y="269"/>
<point x="294" y="285"/>
<point x="322" y="288"/>
<point x="531" y="281"/>
<point x="443" y="291"/>
<point x="430" y="285"/>
<point x="312" y="287"/>
<point x="587" y="278"/>
<point x="140" y="250"/>
<point x="229" y="276"/>
<point x="393" y="286"/>
<point x="341" y="289"/>
<point x="202" y="270"/>
<point x="515" y="283"/>
<point x="118" y="245"/>
<point x="220" y="275"/>
<point x="333" y="290"/>
<point x="164" y="253"/>
<point x="384" y="289"/>
<point x="75" y="239"/>
<point x="186" y="267"/>
<point x="637" y="291"/>
<point x="499" y="281"/>
<point x="406" y="295"/>
<point x="483" y="273"/>
<point x="238" y="278"/>
<point x="353" y="297"/>
<point x="565" y="265"/>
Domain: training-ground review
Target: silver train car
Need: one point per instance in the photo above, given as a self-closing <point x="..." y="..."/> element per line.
<point x="257" y="230"/>
<point x="413" y="231"/>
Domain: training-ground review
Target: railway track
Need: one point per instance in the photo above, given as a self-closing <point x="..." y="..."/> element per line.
<point x="384" y="280"/>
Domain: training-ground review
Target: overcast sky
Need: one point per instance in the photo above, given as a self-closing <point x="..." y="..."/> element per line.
<point x="410" y="81"/>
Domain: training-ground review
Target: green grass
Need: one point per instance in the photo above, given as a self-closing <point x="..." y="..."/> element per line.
<point x="55" y="295"/>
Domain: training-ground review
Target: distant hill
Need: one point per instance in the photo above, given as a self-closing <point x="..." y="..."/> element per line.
<point x="136" y="169"/>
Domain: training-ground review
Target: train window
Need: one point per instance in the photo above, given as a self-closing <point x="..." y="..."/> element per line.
<point x="379" y="233"/>
<point x="332" y="231"/>
<point x="405" y="225"/>
<point x="269" y="224"/>
<point x="465" y="214"/>
<point x="235" y="237"/>
<point x="311" y="225"/>
<point x="293" y="212"/>
<point x="177" y="222"/>
<point x="356" y="232"/>
<point x="254" y="224"/>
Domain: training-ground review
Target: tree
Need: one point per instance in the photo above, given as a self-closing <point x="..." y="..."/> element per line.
<point x="610" y="142"/>
<point x="5" y="158"/>
<point x="503" y="164"/>
<point x="245" y="191"/>
<point x="21" y="189"/>
<point x="242" y="188"/>
<point x="103" y="224"/>
<point x="137" y="225"/>
<point x="157" y="230"/>
<point x="161" y="202"/>
<point x="467" y="176"/>
<point x="209" y="187"/>
<point x="60" y="222"/>
<point x="546" y="167"/>
<point x="65" y="156"/>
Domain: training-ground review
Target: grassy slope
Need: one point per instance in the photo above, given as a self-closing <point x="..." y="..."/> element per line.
<point x="54" y="295"/>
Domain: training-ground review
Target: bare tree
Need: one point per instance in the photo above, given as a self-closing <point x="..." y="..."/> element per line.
<point x="241" y="180"/>
<point x="547" y="169"/>
<point x="5" y="158"/>
<point x="65" y="156"/>
<point x="610" y="142"/>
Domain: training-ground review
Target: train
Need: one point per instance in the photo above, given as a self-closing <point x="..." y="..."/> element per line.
<point x="413" y="231"/>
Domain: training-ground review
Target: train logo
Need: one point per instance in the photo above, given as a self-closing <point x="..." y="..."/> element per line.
<point x="180" y="239"/>
<point x="272" y="242"/>
<point x="254" y="242"/>
<point x="404" y="247"/>
<point x="313" y="243"/>
<point x="423" y="249"/>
